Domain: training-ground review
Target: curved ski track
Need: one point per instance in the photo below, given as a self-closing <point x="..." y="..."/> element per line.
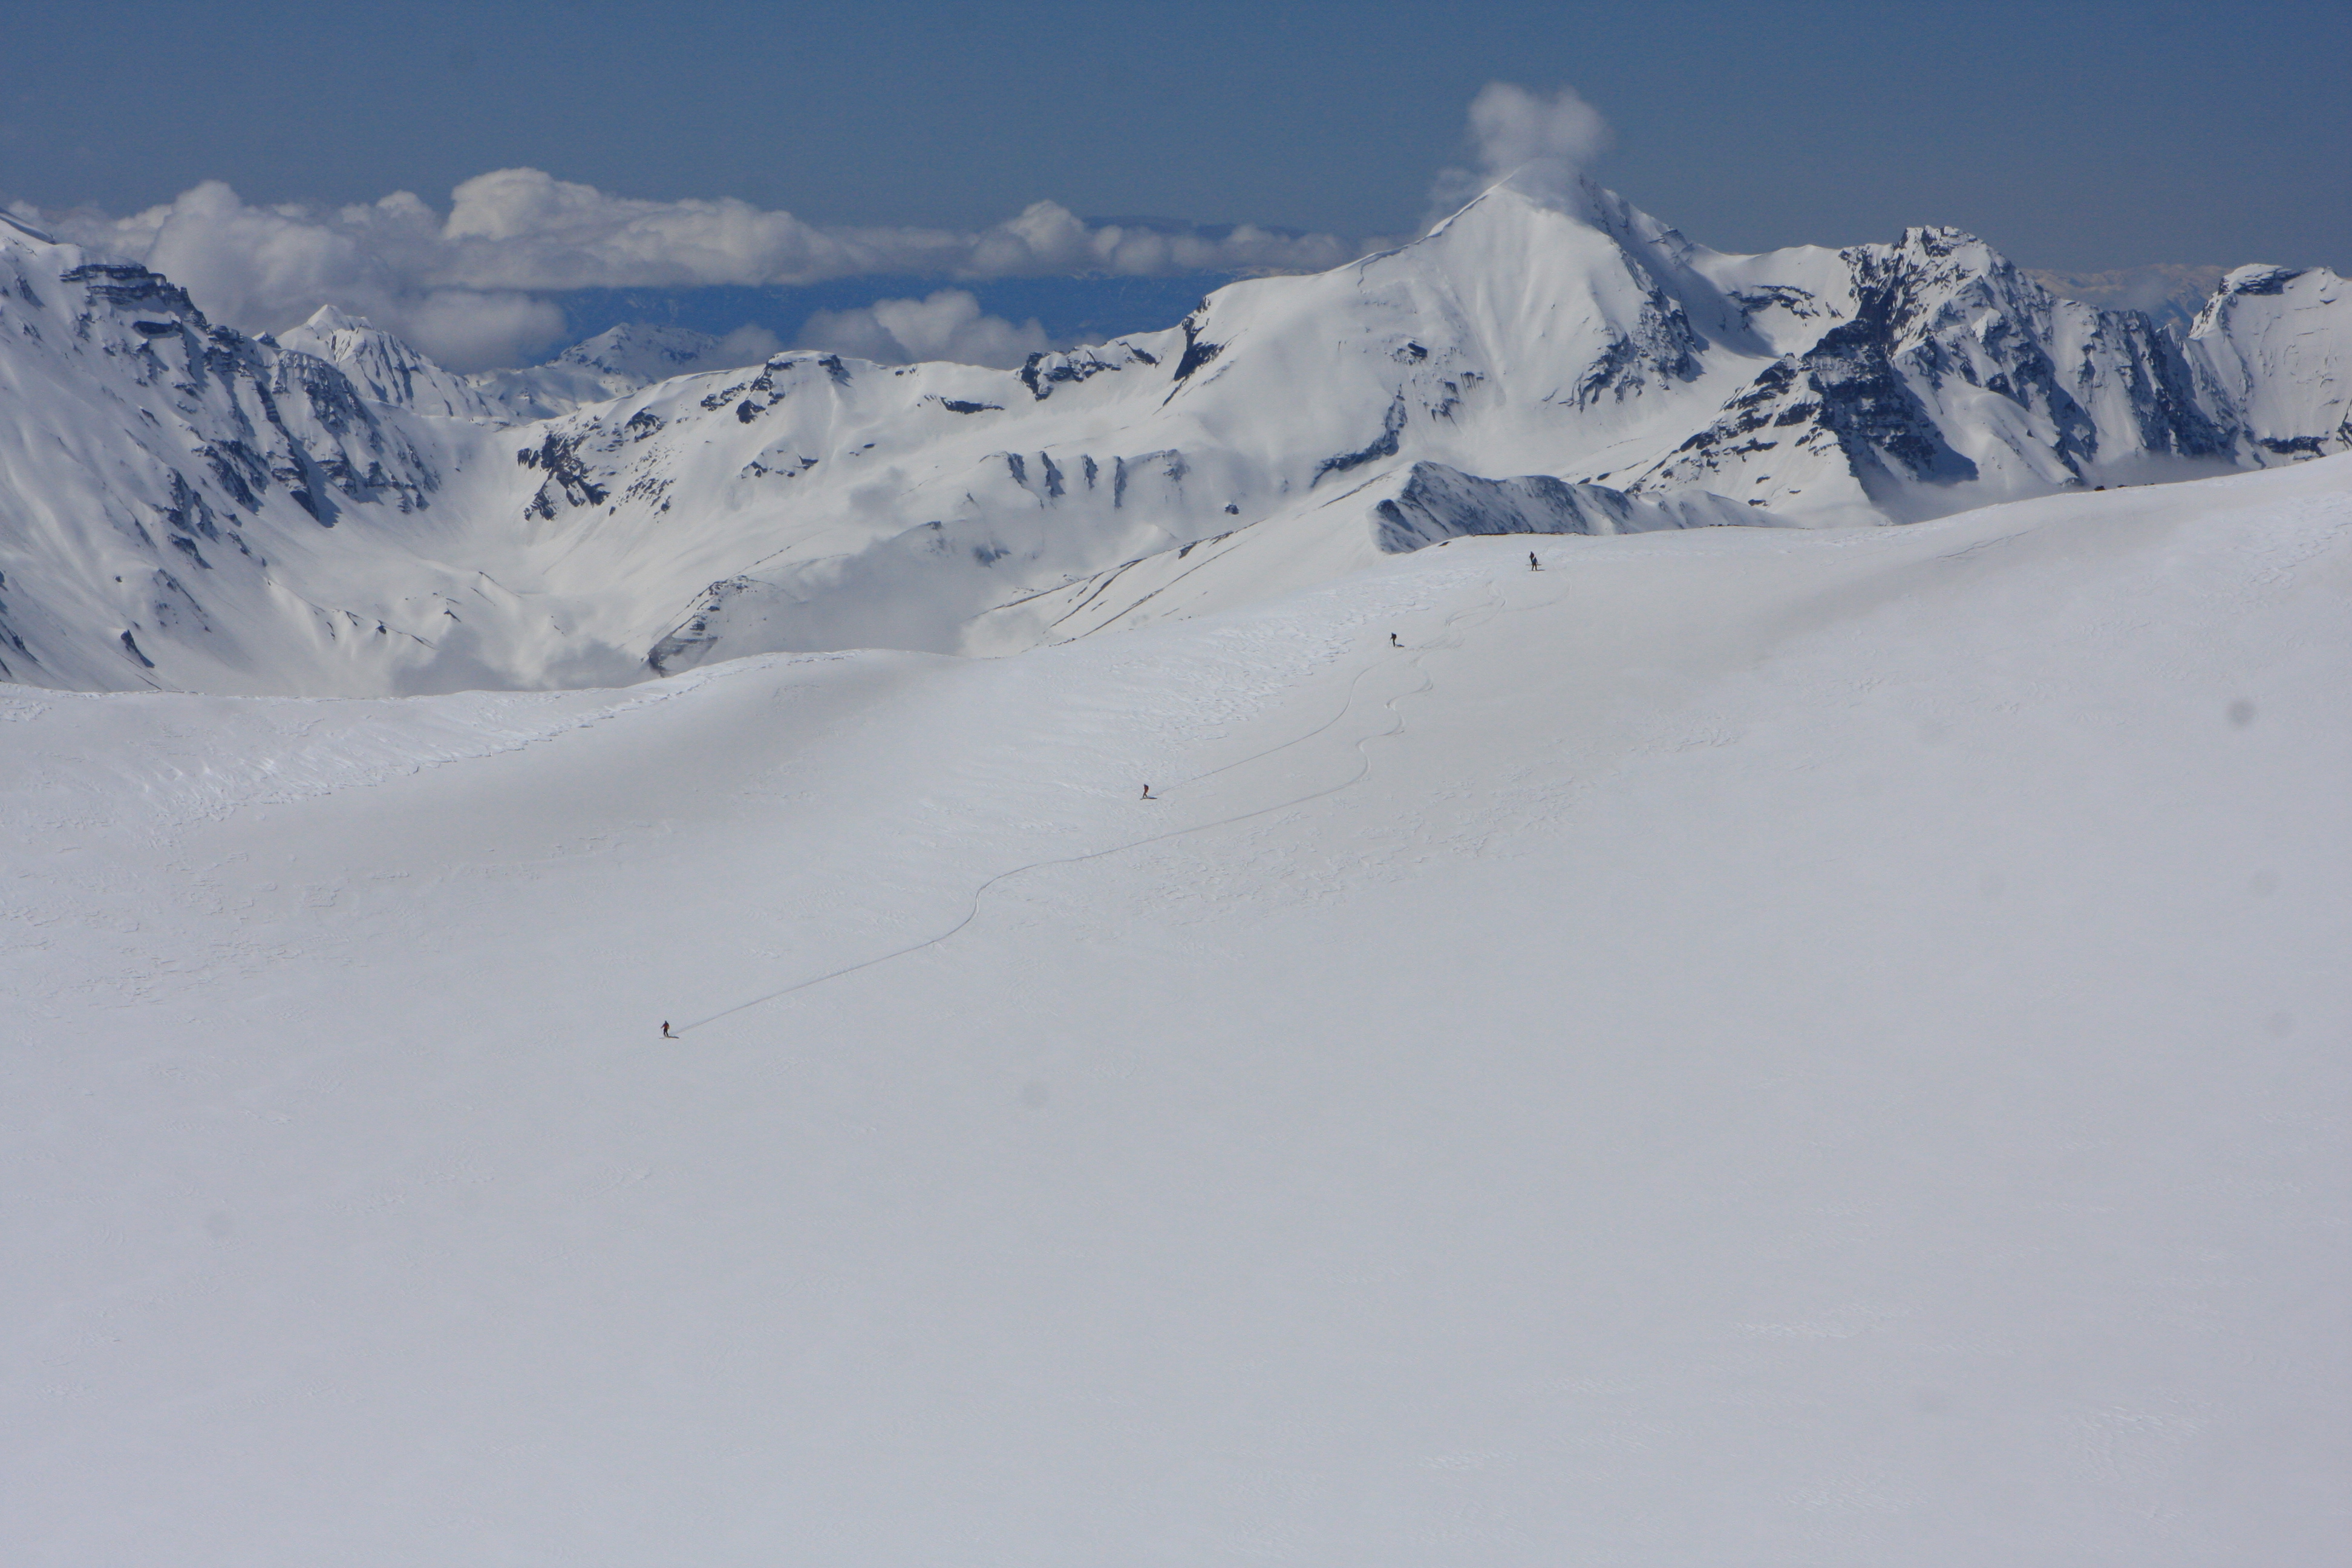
<point x="1494" y="605"/>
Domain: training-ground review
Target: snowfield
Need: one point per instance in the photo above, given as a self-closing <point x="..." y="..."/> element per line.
<point x="1748" y="1046"/>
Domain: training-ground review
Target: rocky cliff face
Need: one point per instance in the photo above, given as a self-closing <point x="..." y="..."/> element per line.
<point x="1943" y="376"/>
<point x="386" y="370"/>
<point x="156" y="471"/>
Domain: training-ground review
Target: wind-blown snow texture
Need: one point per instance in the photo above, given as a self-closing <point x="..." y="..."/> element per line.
<point x="1748" y="1046"/>
<point x="584" y="523"/>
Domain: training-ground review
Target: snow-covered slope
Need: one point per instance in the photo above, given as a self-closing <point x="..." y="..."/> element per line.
<point x="1429" y="504"/>
<point x="1747" y="1047"/>
<point x="388" y="370"/>
<point x="183" y="505"/>
<point x="614" y="362"/>
<point x="1913" y="380"/>
<point x="2274" y="350"/>
<point x="1526" y="349"/>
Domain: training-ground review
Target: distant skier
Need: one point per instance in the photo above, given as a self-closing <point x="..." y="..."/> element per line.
<point x="1148" y="795"/>
<point x="666" y="1034"/>
<point x="1392" y="640"/>
<point x="1534" y="564"/>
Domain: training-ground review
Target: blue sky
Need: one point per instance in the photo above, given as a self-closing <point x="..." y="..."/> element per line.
<point x="2077" y="136"/>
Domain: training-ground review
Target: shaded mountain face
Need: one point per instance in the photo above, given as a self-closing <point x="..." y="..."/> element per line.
<point x="1942" y="374"/>
<point x="168" y="488"/>
<point x="1524" y="367"/>
<point x="387" y="370"/>
<point x="2272" y="350"/>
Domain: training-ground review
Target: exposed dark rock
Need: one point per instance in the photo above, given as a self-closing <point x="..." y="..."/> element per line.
<point x="1043" y="371"/>
<point x="559" y="456"/>
<point x="1385" y="446"/>
<point x="694" y="638"/>
<point x="2270" y="280"/>
<point x="1197" y="350"/>
<point x="125" y="285"/>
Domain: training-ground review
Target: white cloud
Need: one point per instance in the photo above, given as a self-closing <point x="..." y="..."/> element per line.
<point x="267" y="268"/>
<point x="463" y="285"/>
<point x="1539" y="144"/>
<point x="746" y="344"/>
<point x="467" y="331"/>
<point x="946" y="326"/>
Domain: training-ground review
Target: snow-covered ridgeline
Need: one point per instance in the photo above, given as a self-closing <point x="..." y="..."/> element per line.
<point x="171" y="490"/>
<point x="2273" y="353"/>
<point x="605" y="516"/>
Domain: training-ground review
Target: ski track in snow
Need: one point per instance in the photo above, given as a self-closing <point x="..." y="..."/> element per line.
<point x="981" y="892"/>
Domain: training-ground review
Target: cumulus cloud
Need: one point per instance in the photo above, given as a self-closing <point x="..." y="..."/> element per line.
<point x="264" y="268"/>
<point x="466" y="286"/>
<point x="1539" y="144"/>
<point x="746" y="344"/>
<point x="946" y="326"/>
<point x="1048" y="238"/>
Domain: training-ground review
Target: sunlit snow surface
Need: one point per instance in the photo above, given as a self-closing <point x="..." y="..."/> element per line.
<point x="1745" y="1046"/>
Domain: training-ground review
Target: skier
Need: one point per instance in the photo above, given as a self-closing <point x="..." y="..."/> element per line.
<point x="1534" y="564"/>
<point x="1148" y="795"/>
<point x="666" y="1034"/>
<point x="1392" y="641"/>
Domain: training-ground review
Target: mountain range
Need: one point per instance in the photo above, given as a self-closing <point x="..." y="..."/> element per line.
<point x="326" y="511"/>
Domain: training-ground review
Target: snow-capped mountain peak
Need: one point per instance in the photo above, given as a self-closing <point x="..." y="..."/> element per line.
<point x="614" y="363"/>
<point x="1568" y="365"/>
<point x="176" y="493"/>
<point x="2273" y="352"/>
<point x="386" y="369"/>
<point x="645" y="350"/>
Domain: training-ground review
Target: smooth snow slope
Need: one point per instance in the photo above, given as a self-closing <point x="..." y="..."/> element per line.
<point x="1757" y="1046"/>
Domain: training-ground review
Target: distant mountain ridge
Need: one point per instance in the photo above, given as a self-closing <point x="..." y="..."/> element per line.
<point x="2168" y="293"/>
<point x="615" y="361"/>
<point x="329" y="511"/>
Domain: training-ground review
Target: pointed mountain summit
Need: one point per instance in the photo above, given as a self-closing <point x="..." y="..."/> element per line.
<point x="386" y="369"/>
